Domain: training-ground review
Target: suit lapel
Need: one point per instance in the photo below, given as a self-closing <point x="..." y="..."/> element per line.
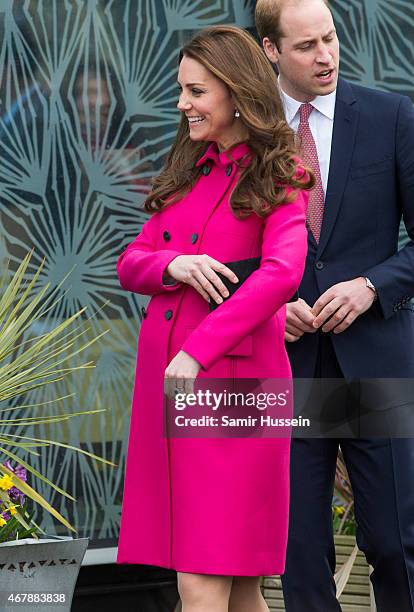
<point x="343" y="139"/>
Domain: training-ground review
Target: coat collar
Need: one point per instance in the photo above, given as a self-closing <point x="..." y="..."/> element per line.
<point x="236" y="153"/>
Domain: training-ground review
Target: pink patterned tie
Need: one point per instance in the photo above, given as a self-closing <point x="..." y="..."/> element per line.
<point x="310" y="157"/>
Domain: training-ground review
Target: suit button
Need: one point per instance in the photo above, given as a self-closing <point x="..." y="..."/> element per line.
<point x="319" y="265"/>
<point x="167" y="236"/>
<point x="143" y="313"/>
<point x="206" y="170"/>
<point x="229" y="169"/>
<point x="168" y="314"/>
<point x="194" y="238"/>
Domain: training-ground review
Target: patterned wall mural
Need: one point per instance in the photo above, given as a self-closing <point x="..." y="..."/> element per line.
<point x="87" y="114"/>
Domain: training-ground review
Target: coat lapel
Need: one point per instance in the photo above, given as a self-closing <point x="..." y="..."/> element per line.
<point x="343" y="139"/>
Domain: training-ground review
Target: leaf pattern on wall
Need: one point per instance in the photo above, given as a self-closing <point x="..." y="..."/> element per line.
<point x="88" y="112"/>
<point x="377" y="46"/>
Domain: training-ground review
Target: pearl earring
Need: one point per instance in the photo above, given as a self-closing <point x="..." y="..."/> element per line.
<point x="236" y="113"/>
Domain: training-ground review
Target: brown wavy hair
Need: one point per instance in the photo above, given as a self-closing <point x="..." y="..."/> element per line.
<point x="272" y="176"/>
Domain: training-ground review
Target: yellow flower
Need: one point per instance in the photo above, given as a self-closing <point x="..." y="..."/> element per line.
<point x="2" y="521"/>
<point x="6" y="482"/>
<point x="339" y="510"/>
<point x="12" y="509"/>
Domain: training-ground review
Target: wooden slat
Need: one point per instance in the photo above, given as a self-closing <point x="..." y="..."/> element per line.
<point x="356" y="595"/>
<point x="353" y="608"/>
<point x="354" y="599"/>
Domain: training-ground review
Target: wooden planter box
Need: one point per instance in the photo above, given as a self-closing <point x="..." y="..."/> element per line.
<point x="356" y="596"/>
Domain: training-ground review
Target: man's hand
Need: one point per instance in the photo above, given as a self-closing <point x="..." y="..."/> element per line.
<point x="180" y="374"/>
<point x="299" y="319"/>
<point x="339" y="306"/>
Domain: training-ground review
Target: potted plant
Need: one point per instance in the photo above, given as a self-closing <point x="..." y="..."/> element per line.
<point x="34" y="569"/>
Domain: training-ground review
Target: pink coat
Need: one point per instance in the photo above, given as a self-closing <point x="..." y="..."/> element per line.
<point x="210" y="506"/>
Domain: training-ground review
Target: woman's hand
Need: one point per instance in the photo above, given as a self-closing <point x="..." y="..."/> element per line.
<point x="180" y="374"/>
<point x="199" y="271"/>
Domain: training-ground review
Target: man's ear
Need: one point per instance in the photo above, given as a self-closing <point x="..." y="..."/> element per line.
<point x="271" y="50"/>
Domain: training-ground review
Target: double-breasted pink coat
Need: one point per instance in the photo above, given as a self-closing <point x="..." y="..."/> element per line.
<point x="210" y="506"/>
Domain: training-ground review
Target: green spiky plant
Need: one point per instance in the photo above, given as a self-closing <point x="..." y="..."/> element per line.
<point x="27" y="363"/>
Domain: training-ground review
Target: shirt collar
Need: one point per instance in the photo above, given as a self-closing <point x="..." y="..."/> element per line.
<point x="236" y="153"/>
<point x="324" y="104"/>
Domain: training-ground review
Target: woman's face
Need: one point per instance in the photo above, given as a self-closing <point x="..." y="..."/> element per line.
<point x="208" y="106"/>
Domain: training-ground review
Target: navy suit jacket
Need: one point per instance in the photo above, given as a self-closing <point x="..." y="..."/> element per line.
<point x="370" y="187"/>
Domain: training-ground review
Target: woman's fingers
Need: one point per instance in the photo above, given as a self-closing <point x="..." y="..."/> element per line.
<point x="215" y="266"/>
<point x="208" y="287"/>
<point x="224" y="270"/>
<point x="169" y="387"/>
<point x="202" y="281"/>
<point x="177" y="384"/>
<point x="173" y="385"/>
<point x="211" y="282"/>
<point x="200" y="271"/>
<point x="198" y="287"/>
<point x="189" y="385"/>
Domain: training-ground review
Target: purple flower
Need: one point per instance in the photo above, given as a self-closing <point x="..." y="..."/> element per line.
<point x="15" y="494"/>
<point x="19" y="470"/>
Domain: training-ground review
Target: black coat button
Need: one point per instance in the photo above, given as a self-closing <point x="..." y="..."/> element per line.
<point x="206" y="170"/>
<point x="168" y="314"/>
<point x="143" y="313"/>
<point x="319" y="265"/>
<point x="194" y="238"/>
<point x="167" y="236"/>
<point x="229" y="169"/>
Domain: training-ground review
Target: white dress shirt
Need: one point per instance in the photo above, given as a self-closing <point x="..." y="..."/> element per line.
<point x="320" y="123"/>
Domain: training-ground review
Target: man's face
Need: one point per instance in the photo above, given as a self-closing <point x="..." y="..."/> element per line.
<point x="308" y="55"/>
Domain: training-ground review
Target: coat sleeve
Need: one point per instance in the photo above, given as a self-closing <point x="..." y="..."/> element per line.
<point x="394" y="278"/>
<point x="141" y="266"/>
<point x="267" y="289"/>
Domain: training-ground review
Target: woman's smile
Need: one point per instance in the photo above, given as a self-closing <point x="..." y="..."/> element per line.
<point x="194" y="121"/>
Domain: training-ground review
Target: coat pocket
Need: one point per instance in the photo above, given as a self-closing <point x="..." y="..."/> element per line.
<point x="243" y="349"/>
<point x="372" y="168"/>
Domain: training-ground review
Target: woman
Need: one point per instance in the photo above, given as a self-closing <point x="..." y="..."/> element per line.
<point x="214" y="510"/>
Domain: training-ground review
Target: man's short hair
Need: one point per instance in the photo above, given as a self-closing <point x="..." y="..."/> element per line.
<point x="267" y="16"/>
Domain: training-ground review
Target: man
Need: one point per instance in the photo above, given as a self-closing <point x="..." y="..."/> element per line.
<point x="353" y="318"/>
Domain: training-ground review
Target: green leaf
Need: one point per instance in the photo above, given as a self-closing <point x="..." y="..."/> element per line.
<point x="32" y="471"/>
<point x="29" y="363"/>
<point x="75" y="448"/>
<point x="30" y="492"/>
